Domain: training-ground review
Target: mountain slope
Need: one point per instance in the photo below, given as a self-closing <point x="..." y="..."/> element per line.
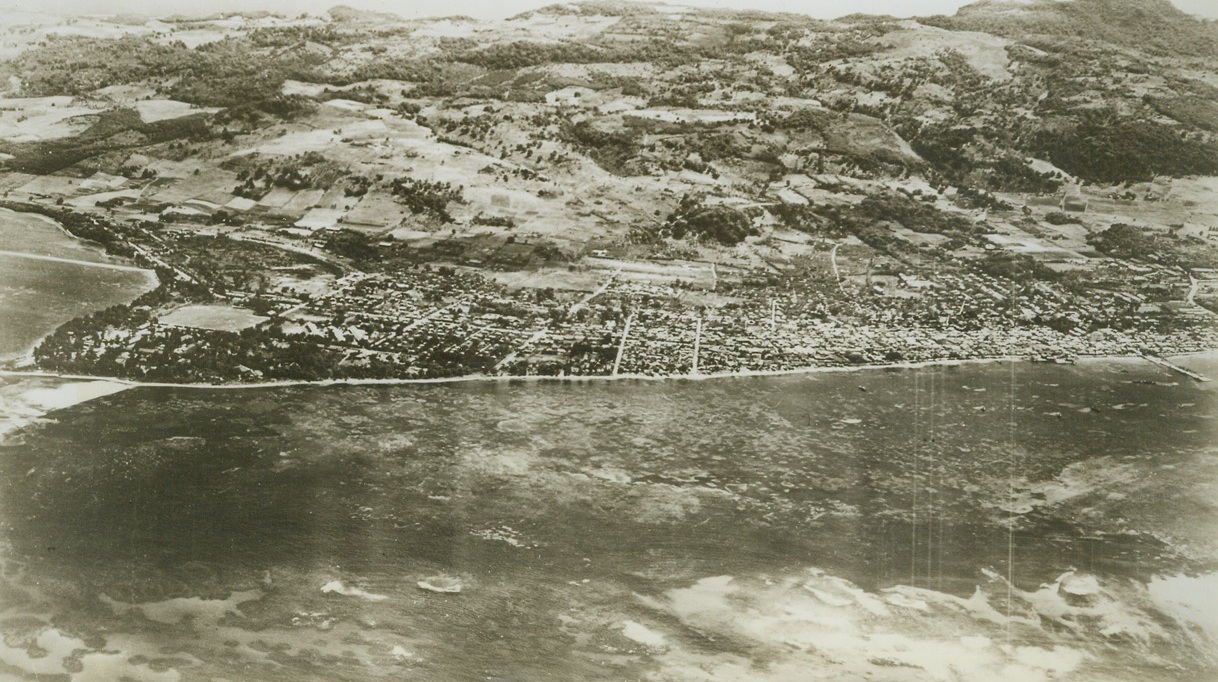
<point x="1155" y="26"/>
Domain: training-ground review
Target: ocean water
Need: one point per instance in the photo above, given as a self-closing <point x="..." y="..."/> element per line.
<point x="987" y="522"/>
<point x="37" y="295"/>
<point x="39" y="235"/>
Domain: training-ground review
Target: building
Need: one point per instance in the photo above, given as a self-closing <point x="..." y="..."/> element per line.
<point x="1074" y="203"/>
<point x="573" y="97"/>
<point x="1159" y="189"/>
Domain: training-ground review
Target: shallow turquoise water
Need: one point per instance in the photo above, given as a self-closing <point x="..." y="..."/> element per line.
<point x="850" y="526"/>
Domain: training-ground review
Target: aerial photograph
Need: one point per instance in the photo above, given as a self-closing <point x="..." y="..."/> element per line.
<point x="701" y="341"/>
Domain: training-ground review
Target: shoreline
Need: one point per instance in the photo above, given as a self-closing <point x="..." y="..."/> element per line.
<point x="77" y="389"/>
<point x="11" y="366"/>
<point x="108" y="261"/>
<point x="535" y="378"/>
<point x="96" y="247"/>
<point x="26" y="356"/>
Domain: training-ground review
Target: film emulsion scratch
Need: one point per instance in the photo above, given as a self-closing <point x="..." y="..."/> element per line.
<point x="610" y="341"/>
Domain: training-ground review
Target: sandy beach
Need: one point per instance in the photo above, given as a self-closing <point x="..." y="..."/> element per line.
<point x="481" y="378"/>
<point x="25" y="401"/>
<point x="50" y="391"/>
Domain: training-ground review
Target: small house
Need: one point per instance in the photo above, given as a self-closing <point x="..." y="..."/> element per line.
<point x="1159" y="189"/>
<point x="573" y="97"/>
<point x="1074" y="203"/>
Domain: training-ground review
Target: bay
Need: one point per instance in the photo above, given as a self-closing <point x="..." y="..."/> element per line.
<point x="998" y="522"/>
<point x="48" y="277"/>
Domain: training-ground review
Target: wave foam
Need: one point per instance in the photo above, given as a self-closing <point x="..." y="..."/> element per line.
<point x="48" y="651"/>
<point x="337" y="587"/>
<point x="1072" y="628"/>
<point x="201" y="612"/>
<point x="22" y="404"/>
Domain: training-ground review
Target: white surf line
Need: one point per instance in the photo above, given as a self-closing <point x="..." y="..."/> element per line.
<point x="621" y="348"/>
<point x="550" y="378"/>
<point x="1174" y="367"/>
<point x="57" y="259"/>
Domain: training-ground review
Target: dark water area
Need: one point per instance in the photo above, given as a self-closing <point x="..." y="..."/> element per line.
<point x="852" y="526"/>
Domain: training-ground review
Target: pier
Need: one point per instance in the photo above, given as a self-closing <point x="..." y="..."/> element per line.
<point x="1174" y="367"/>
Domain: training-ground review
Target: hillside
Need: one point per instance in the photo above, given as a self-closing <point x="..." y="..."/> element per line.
<point x="1154" y="26"/>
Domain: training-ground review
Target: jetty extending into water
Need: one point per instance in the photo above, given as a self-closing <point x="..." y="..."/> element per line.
<point x="1174" y="367"/>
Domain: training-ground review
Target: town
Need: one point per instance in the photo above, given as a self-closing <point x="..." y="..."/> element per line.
<point x="212" y="322"/>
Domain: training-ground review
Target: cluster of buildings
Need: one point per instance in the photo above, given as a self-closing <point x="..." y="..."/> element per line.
<point x="426" y="323"/>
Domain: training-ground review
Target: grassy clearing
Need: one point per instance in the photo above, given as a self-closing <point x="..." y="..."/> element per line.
<point x="164" y="109"/>
<point x="43" y="118"/>
<point x="214" y="317"/>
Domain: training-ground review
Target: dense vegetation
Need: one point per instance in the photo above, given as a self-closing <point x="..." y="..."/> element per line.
<point x="113" y="130"/>
<point x="715" y="223"/>
<point x="302" y="171"/>
<point x="230" y="72"/>
<point x="426" y="196"/>
<point x="1136" y="243"/>
<point x="967" y="155"/>
<point x="612" y="150"/>
<point x="1104" y="147"/>
<point x="866" y="218"/>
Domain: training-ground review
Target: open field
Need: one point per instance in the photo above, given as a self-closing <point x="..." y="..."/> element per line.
<point x="163" y="109"/>
<point x="43" y="118"/>
<point x="985" y="53"/>
<point x="216" y="317"/>
<point x="697" y="274"/>
<point x="560" y="279"/>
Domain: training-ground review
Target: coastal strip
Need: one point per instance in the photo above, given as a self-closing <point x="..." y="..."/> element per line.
<point x="1196" y="376"/>
<point x="573" y="378"/>
<point x="24" y="402"/>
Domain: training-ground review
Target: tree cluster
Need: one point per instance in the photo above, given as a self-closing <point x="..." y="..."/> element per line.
<point x="426" y="196"/>
<point x="716" y="223"/>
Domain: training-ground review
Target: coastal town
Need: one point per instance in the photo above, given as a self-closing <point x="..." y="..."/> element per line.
<point x="446" y="320"/>
<point x="609" y="340"/>
<point x="371" y="226"/>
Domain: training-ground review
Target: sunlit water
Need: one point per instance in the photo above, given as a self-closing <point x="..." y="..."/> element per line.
<point x="37" y="295"/>
<point x="834" y="526"/>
